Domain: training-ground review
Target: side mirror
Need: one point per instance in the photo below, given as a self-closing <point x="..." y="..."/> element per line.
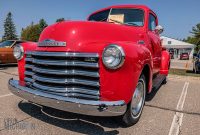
<point x="159" y="29"/>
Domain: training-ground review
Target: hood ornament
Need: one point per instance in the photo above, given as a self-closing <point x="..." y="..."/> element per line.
<point x="50" y="42"/>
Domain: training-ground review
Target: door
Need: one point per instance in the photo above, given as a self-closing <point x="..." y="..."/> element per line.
<point x="155" y="42"/>
<point x="3" y="56"/>
<point x="6" y="52"/>
<point x="11" y="58"/>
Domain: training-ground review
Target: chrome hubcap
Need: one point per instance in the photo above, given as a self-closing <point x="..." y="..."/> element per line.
<point x="138" y="99"/>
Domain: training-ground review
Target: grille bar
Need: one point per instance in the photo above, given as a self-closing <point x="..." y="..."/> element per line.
<point x="63" y="54"/>
<point x="27" y="79"/>
<point x="64" y="89"/>
<point x="62" y="71"/>
<point x="62" y="63"/>
<point x="29" y="73"/>
<point x="65" y="81"/>
<point x="77" y="95"/>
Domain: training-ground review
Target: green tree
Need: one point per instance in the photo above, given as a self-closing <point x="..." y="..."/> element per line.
<point x="190" y="39"/>
<point x="42" y="24"/>
<point x="31" y="33"/>
<point x="196" y="32"/>
<point x="60" y="20"/>
<point x="9" y="28"/>
<point x="195" y="38"/>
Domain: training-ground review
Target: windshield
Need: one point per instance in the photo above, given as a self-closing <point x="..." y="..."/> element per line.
<point x="6" y="44"/>
<point x="128" y="16"/>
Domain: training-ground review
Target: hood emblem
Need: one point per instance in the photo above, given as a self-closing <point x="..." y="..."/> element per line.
<point x="49" y="42"/>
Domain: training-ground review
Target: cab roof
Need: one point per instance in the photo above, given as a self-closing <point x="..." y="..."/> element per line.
<point x="130" y="6"/>
<point x="125" y="6"/>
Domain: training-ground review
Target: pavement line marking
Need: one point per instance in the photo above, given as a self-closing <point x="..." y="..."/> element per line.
<point x="6" y="95"/>
<point x="178" y="117"/>
<point x="9" y="73"/>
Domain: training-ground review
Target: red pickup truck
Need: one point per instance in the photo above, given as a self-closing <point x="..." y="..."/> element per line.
<point x="104" y="66"/>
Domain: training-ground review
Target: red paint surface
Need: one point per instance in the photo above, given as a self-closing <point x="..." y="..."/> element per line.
<point x="28" y="46"/>
<point x="165" y="63"/>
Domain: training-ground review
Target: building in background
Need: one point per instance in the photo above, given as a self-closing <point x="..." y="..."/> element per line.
<point x="177" y="47"/>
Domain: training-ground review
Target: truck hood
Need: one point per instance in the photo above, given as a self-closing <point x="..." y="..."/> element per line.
<point x="86" y="36"/>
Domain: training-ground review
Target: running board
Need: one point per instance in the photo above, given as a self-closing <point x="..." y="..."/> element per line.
<point x="158" y="80"/>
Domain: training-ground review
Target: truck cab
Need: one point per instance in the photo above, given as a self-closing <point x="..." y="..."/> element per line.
<point x="104" y="66"/>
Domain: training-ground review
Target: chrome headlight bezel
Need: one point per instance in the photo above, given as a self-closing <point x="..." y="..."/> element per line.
<point x="120" y="58"/>
<point x="20" y="50"/>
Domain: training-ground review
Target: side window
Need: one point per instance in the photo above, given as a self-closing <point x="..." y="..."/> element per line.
<point x="152" y="22"/>
<point x="6" y="44"/>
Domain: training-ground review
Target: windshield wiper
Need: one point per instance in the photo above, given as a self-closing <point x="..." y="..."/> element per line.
<point x="127" y="23"/>
<point x="104" y="19"/>
<point x="130" y="23"/>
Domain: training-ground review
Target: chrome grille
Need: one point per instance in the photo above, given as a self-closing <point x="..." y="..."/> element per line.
<point x="74" y="75"/>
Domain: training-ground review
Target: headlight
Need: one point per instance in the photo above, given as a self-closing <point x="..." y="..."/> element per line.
<point x="113" y="56"/>
<point x="18" y="52"/>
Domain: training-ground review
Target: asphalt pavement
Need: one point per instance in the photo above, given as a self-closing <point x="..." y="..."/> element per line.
<point x="172" y="109"/>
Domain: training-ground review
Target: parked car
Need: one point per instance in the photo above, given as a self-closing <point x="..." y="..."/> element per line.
<point x="6" y="51"/>
<point x="196" y="63"/>
<point x="184" y="56"/>
<point x="102" y="67"/>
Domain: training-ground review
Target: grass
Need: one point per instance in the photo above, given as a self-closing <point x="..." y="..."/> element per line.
<point x="183" y="72"/>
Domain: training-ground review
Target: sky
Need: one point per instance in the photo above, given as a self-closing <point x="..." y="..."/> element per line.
<point x="176" y="16"/>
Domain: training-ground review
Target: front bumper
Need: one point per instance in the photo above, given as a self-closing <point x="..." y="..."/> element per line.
<point x="86" y="107"/>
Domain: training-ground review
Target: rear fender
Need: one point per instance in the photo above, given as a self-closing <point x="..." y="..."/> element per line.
<point x="165" y="63"/>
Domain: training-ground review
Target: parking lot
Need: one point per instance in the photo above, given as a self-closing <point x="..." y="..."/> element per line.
<point x="172" y="109"/>
<point x="182" y="64"/>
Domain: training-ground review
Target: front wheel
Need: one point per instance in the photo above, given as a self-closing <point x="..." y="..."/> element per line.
<point x="136" y="105"/>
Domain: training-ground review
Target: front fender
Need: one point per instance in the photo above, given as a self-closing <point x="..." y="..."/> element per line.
<point x="120" y="84"/>
<point x="27" y="46"/>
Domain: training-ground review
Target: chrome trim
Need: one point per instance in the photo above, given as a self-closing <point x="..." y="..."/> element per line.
<point x="29" y="73"/>
<point x="64" y="89"/>
<point x="80" y="106"/>
<point x="62" y="63"/>
<point x="122" y="56"/>
<point x="28" y="79"/>
<point x="50" y="42"/>
<point x="22" y="51"/>
<point x="63" y="54"/>
<point x="77" y="95"/>
<point x="62" y="71"/>
<point x="28" y="59"/>
<point x="29" y="66"/>
<point x="65" y="81"/>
